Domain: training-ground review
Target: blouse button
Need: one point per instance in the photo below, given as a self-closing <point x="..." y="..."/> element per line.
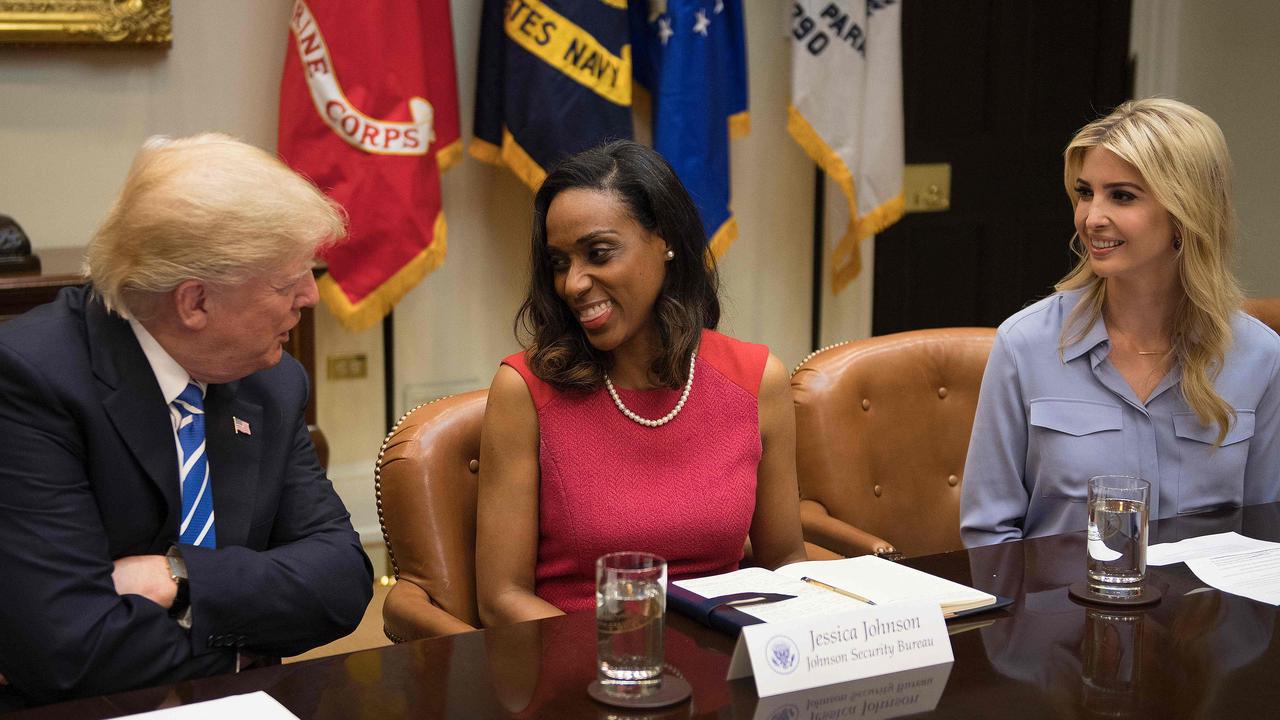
<point x="866" y="404"/>
<point x="952" y="480"/>
<point x="876" y="490"/>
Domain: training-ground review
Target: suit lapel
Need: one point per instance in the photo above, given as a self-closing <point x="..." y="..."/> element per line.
<point x="134" y="403"/>
<point x="235" y="458"/>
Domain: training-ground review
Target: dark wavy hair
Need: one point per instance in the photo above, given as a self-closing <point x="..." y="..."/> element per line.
<point x="556" y="346"/>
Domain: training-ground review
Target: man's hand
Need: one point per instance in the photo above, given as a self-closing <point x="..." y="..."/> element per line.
<point x="145" y="575"/>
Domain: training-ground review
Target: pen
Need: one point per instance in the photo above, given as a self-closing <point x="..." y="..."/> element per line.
<point x="834" y="589"/>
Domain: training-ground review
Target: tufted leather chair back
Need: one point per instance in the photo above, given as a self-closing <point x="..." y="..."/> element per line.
<point x="1265" y="309"/>
<point x="425" y="484"/>
<point x="882" y="431"/>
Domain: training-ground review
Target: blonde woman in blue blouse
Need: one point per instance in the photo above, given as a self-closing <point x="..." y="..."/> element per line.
<point x="1142" y="363"/>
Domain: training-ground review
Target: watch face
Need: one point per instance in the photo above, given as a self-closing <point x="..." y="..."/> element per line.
<point x="177" y="569"/>
<point x="181" y="598"/>
<point x="177" y="566"/>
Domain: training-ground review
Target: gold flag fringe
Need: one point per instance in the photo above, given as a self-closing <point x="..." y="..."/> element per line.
<point x="511" y="155"/>
<point x="373" y="307"/>
<point x="846" y="259"/>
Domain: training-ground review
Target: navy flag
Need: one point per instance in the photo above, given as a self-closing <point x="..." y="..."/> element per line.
<point x="554" y="79"/>
<point x="692" y="57"/>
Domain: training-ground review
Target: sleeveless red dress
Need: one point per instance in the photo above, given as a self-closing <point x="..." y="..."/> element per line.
<point x="685" y="491"/>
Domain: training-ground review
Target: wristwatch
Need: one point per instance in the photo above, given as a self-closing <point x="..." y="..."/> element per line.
<point x="178" y="572"/>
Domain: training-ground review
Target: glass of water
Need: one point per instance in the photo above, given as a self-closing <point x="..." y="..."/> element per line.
<point x="1117" y="535"/>
<point x="631" y="598"/>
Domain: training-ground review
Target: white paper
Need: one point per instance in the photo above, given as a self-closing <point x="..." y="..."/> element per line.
<point x="817" y="651"/>
<point x="1255" y="575"/>
<point x="1205" y="546"/>
<point x="885" y="582"/>
<point x="808" y="601"/>
<point x="256" y="705"/>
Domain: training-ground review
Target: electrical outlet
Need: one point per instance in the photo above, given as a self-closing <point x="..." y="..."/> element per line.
<point x="348" y="367"/>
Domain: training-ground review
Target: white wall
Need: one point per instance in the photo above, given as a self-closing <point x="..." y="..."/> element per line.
<point x="1223" y="58"/>
<point x="1229" y="66"/>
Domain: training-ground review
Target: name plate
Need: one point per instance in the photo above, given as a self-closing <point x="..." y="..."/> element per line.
<point x="821" y="650"/>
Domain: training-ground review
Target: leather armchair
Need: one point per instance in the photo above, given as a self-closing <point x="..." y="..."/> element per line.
<point x="882" y="431"/>
<point x="1265" y="309"/>
<point x="425" y="482"/>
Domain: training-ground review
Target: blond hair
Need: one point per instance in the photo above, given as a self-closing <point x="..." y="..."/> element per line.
<point x="1182" y="156"/>
<point x="207" y="207"/>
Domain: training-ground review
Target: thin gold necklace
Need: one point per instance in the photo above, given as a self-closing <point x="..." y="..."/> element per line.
<point x="1145" y="353"/>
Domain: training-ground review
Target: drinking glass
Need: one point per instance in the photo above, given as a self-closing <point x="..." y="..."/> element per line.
<point x="631" y="598"/>
<point x="1117" y="535"/>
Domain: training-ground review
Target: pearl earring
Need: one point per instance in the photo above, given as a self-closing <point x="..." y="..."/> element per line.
<point x="671" y="254"/>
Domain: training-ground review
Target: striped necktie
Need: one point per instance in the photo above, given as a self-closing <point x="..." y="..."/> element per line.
<point x="193" y="469"/>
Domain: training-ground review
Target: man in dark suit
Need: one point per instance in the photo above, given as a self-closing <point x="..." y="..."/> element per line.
<point x="162" y="510"/>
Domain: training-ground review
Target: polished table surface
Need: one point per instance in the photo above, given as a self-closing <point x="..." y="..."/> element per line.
<point x="1198" y="653"/>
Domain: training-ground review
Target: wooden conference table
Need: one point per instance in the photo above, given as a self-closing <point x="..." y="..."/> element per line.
<point x="1195" y="654"/>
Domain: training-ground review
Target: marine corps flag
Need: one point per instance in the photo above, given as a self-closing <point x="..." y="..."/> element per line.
<point x="554" y="79"/>
<point x="369" y="112"/>
<point x="692" y="56"/>
<point x="846" y="111"/>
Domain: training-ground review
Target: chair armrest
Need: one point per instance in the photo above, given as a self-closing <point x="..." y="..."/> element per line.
<point x="407" y="614"/>
<point x="811" y="552"/>
<point x="817" y="552"/>
<point x="838" y="536"/>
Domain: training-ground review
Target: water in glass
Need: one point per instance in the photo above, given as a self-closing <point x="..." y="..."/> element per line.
<point x="1117" y="557"/>
<point x="629" y="632"/>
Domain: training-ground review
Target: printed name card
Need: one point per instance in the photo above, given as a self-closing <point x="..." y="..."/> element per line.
<point x="814" y="651"/>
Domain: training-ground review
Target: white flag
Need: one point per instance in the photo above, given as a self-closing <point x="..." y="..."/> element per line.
<point x="846" y="111"/>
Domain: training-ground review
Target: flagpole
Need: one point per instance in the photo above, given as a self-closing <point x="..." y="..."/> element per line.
<point x="389" y="370"/>
<point x="819" y="251"/>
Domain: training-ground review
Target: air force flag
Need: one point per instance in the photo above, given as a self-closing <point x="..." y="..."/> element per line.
<point x="691" y="55"/>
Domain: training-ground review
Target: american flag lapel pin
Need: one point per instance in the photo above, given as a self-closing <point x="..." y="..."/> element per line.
<point x="241" y="426"/>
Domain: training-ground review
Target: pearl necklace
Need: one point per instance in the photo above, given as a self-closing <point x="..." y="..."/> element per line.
<point x="684" y="396"/>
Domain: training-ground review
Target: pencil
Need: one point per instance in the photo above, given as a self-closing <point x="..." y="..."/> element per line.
<point x="832" y="588"/>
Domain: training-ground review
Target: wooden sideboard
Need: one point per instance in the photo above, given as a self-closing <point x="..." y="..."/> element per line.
<point x="61" y="267"/>
<point x="19" y="292"/>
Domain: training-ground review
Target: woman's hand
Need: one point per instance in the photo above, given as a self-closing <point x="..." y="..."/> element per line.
<point x="507" y="506"/>
<point x="775" y="528"/>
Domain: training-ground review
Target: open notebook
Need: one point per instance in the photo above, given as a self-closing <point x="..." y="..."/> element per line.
<point x="818" y="587"/>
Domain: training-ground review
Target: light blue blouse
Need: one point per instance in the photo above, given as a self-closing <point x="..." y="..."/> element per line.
<point x="1047" y="422"/>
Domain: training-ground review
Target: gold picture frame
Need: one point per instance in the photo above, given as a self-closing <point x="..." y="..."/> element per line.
<point x="81" y="22"/>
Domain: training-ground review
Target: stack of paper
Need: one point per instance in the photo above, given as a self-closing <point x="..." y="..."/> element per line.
<point x="1229" y="562"/>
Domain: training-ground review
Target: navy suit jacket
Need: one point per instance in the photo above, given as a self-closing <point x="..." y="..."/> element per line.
<point x="89" y="474"/>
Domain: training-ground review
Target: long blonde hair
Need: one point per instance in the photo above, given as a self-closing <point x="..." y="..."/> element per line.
<point x="1182" y="155"/>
